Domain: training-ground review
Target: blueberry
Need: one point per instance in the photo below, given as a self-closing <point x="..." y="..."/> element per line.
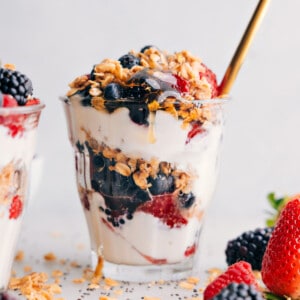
<point x="98" y="161"/>
<point x="1" y="99"/>
<point x="113" y="91"/>
<point x="162" y="184"/>
<point x="139" y="113"/>
<point x="128" y="61"/>
<point x="186" y="200"/>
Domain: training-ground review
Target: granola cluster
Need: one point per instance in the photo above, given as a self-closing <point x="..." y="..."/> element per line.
<point x="140" y="169"/>
<point x="189" y="77"/>
<point x="35" y="286"/>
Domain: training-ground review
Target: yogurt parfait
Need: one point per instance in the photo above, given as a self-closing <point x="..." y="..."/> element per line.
<point x="19" y="117"/>
<point x="146" y="131"/>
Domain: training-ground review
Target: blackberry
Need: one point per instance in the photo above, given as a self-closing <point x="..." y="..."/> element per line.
<point x="249" y="246"/>
<point x="128" y="61"/>
<point x="15" y="84"/>
<point x="239" y="291"/>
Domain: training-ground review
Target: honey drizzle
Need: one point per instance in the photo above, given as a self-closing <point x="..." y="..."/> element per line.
<point x="151" y="129"/>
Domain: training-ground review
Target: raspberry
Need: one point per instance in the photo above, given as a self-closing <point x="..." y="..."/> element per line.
<point x="240" y="272"/>
<point x="165" y="208"/>
<point x="250" y="247"/>
<point x="239" y="291"/>
<point x="15" y="84"/>
<point x="7" y="101"/>
<point x="16" y="207"/>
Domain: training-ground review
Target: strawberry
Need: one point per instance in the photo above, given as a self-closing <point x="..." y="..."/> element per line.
<point x="281" y="263"/>
<point x="240" y="272"/>
<point x="16" y="207"/>
<point x="8" y="101"/>
<point x="196" y="129"/>
<point x="211" y="78"/>
<point x="165" y="208"/>
<point x="32" y="101"/>
<point x="182" y="85"/>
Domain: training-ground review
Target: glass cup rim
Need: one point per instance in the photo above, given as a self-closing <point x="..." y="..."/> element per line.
<point x="21" y="109"/>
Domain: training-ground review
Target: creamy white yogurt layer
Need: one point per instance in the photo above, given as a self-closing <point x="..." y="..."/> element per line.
<point x="145" y="239"/>
<point x="18" y="152"/>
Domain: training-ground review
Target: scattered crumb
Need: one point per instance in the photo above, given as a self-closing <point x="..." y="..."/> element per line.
<point x="50" y="256"/>
<point x="74" y="264"/>
<point x="78" y="280"/>
<point x="118" y="292"/>
<point x="88" y="274"/>
<point x="213" y="274"/>
<point x="62" y="261"/>
<point x="34" y="286"/>
<point x="193" y="280"/>
<point x="106" y="298"/>
<point x="186" y="285"/>
<point x="111" y="282"/>
<point x="19" y="256"/>
<point x="27" y="269"/>
<point x="93" y="286"/>
<point x="151" y="298"/>
<point x="161" y="281"/>
<point x="57" y="273"/>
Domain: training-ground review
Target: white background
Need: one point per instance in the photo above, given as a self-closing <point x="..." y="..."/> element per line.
<point x="55" y="41"/>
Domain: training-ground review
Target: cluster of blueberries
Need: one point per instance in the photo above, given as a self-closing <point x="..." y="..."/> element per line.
<point x="122" y="196"/>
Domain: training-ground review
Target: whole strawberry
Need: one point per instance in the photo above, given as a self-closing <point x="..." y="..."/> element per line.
<point x="281" y="261"/>
<point x="240" y="272"/>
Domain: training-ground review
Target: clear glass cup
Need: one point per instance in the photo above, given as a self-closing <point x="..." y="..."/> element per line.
<point x="145" y="186"/>
<point x="18" y="130"/>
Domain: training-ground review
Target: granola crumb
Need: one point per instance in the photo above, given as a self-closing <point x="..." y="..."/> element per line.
<point x="27" y="269"/>
<point x="106" y="298"/>
<point x="186" y="285"/>
<point x="93" y="286"/>
<point x="50" y="256"/>
<point x="118" y="292"/>
<point x="19" y="256"/>
<point x="111" y="282"/>
<point x="57" y="273"/>
<point x="78" y="280"/>
<point x="151" y="298"/>
<point x="74" y="264"/>
<point x="193" y="280"/>
<point x="35" y="286"/>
